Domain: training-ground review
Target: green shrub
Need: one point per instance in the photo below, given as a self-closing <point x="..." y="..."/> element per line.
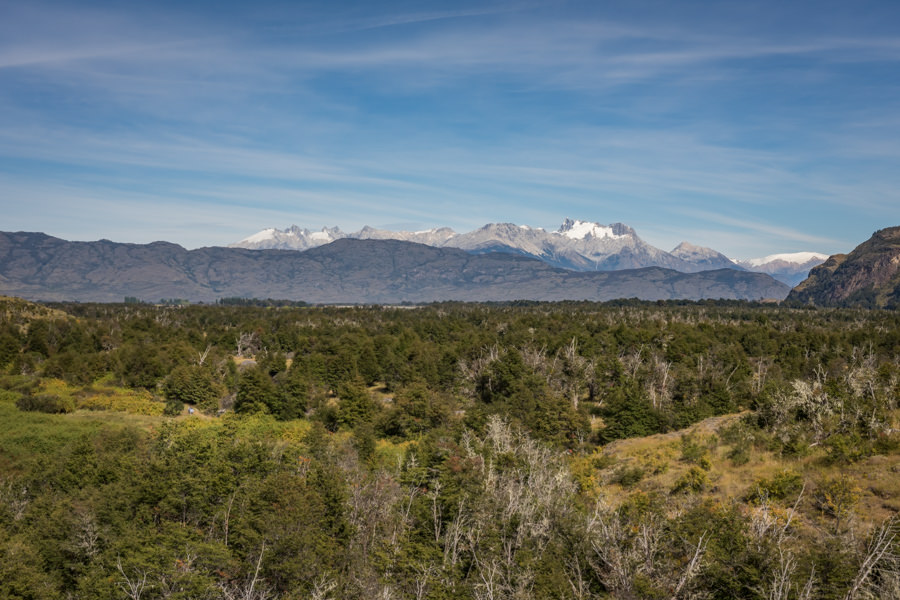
<point x="46" y="403"/>
<point x="783" y="485"/>
<point x="602" y="461"/>
<point x="845" y="448"/>
<point x="797" y="444"/>
<point x="838" y="497"/>
<point x="741" y="438"/>
<point x="628" y="476"/>
<point x="888" y="443"/>
<point x="692" y="451"/>
<point x="193" y="385"/>
<point x="695" y="480"/>
<point x="739" y="455"/>
<point x="173" y="407"/>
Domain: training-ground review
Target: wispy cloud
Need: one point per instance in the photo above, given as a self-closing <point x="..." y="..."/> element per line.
<point x="437" y="115"/>
<point x="788" y="234"/>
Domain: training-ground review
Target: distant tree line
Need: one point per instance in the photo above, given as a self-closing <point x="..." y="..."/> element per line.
<point x="238" y="301"/>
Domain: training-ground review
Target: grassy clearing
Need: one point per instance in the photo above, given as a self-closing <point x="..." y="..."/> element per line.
<point x="30" y="437"/>
<point x="656" y="464"/>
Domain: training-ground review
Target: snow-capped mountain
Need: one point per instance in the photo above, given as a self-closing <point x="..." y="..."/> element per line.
<point x="703" y="257"/>
<point x="515" y="239"/>
<point x="429" y="237"/>
<point x="614" y="247"/>
<point x="794" y="259"/>
<point x="583" y="230"/>
<point x="576" y="245"/>
<point x="790" y="268"/>
<point x="295" y="238"/>
<point x="292" y="238"/>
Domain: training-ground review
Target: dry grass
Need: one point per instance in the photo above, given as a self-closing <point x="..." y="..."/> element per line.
<point x="661" y="461"/>
<point x="20" y="311"/>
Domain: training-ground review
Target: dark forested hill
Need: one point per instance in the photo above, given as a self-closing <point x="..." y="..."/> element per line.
<point x="868" y="277"/>
<point x="38" y="266"/>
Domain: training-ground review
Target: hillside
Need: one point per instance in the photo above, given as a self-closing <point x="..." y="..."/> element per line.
<point x="38" y="266"/>
<point x="867" y="277"/>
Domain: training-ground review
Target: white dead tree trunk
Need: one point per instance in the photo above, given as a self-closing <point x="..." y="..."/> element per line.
<point x="880" y="550"/>
<point x="202" y="355"/>
<point x="692" y="567"/>
<point x="322" y="589"/>
<point x="133" y="586"/>
<point x="251" y="589"/>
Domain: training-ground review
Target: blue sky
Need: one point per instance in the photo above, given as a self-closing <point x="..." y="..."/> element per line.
<point x="750" y="127"/>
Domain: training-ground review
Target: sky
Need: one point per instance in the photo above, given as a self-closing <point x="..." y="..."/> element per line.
<point x="749" y="127"/>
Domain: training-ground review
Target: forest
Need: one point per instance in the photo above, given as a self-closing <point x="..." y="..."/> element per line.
<point x="630" y="450"/>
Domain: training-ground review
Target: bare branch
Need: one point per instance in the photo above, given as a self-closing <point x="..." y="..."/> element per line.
<point x="879" y="549"/>
<point x="132" y="586"/>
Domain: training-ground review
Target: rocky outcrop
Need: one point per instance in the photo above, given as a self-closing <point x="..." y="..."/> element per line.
<point x="867" y="277"/>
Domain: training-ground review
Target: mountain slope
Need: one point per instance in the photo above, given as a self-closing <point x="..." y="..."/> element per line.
<point x="37" y="266"/>
<point x="867" y="277"/>
<point x="703" y="258"/>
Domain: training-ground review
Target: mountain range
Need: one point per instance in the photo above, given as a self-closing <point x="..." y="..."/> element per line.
<point x="576" y="245"/>
<point x="383" y="271"/>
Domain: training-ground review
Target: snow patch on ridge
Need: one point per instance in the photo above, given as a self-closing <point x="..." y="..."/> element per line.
<point x="798" y="258"/>
<point x="265" y="234"/>
<point x="579" y="230"/>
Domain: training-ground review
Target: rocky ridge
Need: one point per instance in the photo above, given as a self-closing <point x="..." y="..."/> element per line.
<point x="867" y="277"/>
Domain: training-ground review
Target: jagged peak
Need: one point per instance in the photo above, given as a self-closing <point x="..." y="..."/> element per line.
<point x="688" y="247"/>
<point x="579" y="230"/>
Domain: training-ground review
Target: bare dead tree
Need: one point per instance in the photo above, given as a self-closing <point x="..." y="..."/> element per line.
<point x="692" y="567"/>
<point x="659" y="382"/>
<point x="760" y="374"/>
<point x="880" y="550"/>
<point x="87" y="535"/>
<point x="373" y="509"/>
<point x="522" y="495"/>
<point x="621" y="554"/>
<point x="489" y="586"/>
<point x="133" y="586"/>
<point x="436" y="510"/>
<point x="633" y="362"/>
<point x="779" y="588"/>
<point x="576" y="579"/>
<point x="249" y="589"/>
<point x="471" y="371"/>
<point x="202" y="355"/>
<point x="15" y="498"/>
<point x="322" y="588"/>
<point x="809" y="588"/>
<point x="228" y="515"/>
<point x="424" y="574"/>
<point x="455" y="535"/>
<point x="248" y="344"/>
